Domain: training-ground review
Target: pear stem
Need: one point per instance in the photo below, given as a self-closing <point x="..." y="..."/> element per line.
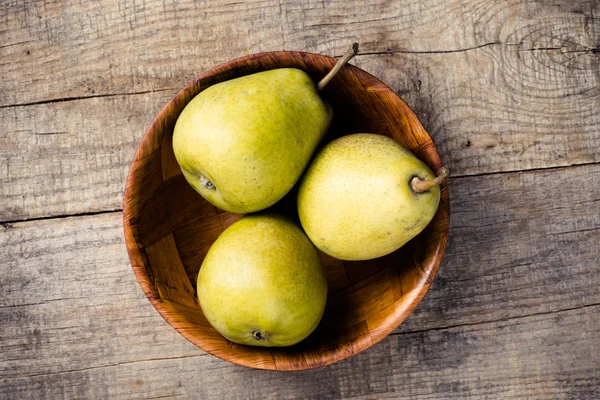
<point x="419" y="185"/>
<point x="352" y="51"/>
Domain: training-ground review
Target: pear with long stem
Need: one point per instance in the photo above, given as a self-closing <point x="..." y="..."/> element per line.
<point x="243" y="143"/>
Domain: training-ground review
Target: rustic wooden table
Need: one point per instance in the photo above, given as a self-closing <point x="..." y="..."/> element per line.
<point x="508" y="89"/>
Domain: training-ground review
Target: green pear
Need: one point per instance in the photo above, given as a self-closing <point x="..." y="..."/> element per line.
<point x="262" y="283"/>
<point x="243" y="143"/>
<point x="365" y="196"/>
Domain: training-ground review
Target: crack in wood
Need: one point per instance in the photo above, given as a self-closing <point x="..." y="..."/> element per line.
<point x="400" y="51"/>
<point x="499" y="320"/>
<point x="15" y="44"/>
<point x="448" y="327"/>
<point x="42" y="302"/>
<point x="392" y="52"/>
<point x="577" y="231"/>
<point x="74" y="98"/>
<point x="70" y="371"/>
<point x="8" y="224"/>
<point x="516" y="171"/>
<point x="50" y="133"/>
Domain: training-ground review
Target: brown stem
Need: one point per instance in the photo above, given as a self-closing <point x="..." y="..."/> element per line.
<point x="352" y="51"/>
<point x="419" y="185"/>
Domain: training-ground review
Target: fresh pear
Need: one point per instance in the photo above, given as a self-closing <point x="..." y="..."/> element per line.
<point x="365" y="195"/>
<point x="262" y="283"/>
<point x="244" y="143"/>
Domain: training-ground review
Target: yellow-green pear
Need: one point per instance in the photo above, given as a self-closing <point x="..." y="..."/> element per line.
<point x="244" y="143"/>
<point x="262" y="283"/>
<point x="365" y="196"/>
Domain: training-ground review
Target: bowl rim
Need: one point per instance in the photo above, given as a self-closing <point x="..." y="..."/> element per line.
<point x="397" y="316"/>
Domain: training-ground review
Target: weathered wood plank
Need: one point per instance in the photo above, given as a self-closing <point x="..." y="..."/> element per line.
<point x="73" y="157"/>
<point x="108" y="47"/>
<point x="544" y="356"/>
<point x="518" y="290"/>
<point x="70" y="157"/>
<point x="70" y="300"/>
<point x="527" y="99"/>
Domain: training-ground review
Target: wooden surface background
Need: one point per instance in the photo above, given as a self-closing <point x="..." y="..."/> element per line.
<point x="509" y="91"/>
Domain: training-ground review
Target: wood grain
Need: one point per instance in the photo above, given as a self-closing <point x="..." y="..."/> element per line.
<point x="543" y="356"/>
<point x="500" y="86"/>
<point x="123" y="48"/>
<point x="85" y="329"/>
<point x="70" y="157"/>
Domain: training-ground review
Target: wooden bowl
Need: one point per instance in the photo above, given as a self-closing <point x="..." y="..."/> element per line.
<point x="169" y="227"/>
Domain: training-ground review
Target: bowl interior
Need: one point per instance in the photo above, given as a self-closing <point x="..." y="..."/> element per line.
<point x="169" y="227"/>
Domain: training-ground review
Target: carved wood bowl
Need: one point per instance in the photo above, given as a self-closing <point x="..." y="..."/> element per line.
<point x="169" y="227"/>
